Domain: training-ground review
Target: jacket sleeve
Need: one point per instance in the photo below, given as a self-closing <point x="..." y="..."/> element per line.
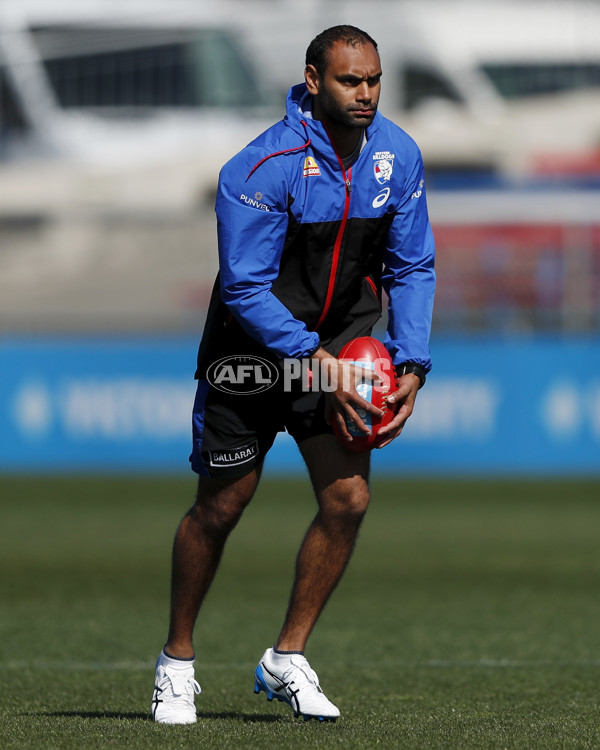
<point x="252" y="220"/>
<point x="409" y="276"/>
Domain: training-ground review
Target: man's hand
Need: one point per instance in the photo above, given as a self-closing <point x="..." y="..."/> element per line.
<point x="402" y="399"/>
<point x="341" y="395"/>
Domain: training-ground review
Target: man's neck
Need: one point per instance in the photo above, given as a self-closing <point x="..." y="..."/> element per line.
<point x="345" y="140"/>
<point x="349" y="160"/>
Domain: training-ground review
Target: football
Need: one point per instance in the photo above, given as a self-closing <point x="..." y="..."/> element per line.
<point x="369" y="353"/>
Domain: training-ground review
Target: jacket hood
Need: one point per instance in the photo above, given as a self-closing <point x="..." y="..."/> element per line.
<point x="299" y="118"/>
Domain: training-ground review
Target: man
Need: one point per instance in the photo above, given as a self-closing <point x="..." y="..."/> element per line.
<point x="314" y="217"/>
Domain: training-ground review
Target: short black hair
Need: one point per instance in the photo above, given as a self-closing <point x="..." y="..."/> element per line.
<point x="318" y="50"/>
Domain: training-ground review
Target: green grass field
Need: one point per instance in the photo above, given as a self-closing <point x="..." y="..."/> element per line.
<point x="469" y="617"/>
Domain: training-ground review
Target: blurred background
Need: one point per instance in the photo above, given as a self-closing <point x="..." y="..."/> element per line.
<point x="115" y="118"/>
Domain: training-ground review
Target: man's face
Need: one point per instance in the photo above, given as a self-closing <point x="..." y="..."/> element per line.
<point x="348" y="92"/>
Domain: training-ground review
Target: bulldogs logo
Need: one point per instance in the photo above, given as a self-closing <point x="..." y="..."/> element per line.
<point x="383" y="169"/>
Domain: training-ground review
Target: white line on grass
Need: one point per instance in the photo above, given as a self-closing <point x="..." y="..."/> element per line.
<point x="143" y="666"/>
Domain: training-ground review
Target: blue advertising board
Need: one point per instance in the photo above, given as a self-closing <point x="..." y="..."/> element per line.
<point x="497" y="407"/>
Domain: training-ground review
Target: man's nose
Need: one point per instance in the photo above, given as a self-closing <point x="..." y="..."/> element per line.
<point x="364" y="92"/>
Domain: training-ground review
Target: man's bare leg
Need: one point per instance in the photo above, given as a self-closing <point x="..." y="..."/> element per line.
<point x="197" y="551"/>
<point x="340" y="482"/>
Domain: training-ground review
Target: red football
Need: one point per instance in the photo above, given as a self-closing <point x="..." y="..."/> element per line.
<point x="371" y="354"/>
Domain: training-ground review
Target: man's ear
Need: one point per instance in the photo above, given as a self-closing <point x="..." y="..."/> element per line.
<point x="312" y="79"/>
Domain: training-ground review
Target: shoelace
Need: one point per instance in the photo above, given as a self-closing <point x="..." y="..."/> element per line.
<point x="195" y="687"/>
<point x="302" y="667"/>
<point x="187" y="689"/>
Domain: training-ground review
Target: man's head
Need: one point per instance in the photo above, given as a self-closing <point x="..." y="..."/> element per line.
<point x="319" y="49"/>
<point x="343" y="74"/>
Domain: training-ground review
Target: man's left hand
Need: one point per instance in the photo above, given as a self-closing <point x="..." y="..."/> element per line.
<point x="402" y="399"/>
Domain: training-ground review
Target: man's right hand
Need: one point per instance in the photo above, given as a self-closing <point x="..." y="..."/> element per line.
<point x="339" y="380"/>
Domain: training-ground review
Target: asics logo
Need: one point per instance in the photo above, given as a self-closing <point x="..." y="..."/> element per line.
<point x="281" y="684"/>
<point x="380" y="199"/>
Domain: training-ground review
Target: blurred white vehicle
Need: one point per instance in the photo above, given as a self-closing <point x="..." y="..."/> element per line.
<point x="128" y="105"/>
<point x="506" y="85"/>
<point x="137" y="104"/>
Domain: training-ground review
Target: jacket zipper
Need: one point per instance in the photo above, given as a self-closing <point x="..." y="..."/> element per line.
<point x="338" y="244"/>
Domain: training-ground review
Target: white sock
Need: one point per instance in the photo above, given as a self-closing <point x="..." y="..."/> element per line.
<point x="281" y="658"/>
<point x="175" y="663"/>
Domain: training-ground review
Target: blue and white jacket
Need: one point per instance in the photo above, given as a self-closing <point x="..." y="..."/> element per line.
<point x="305" y="246"/>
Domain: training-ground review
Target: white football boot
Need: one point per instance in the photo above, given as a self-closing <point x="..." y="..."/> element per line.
<point x="174" y="690"/>
<point x="296" y="684"/>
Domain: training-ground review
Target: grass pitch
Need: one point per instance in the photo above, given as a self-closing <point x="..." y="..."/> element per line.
<point x="468" y="617"/>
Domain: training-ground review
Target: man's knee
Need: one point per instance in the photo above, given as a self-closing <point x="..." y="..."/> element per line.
<point x="220" y="503"/>
<point x="346" y="500"/>
<point x="340" y="479"/>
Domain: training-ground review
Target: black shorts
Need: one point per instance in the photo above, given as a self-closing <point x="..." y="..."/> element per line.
<point x="232" y="433"/>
